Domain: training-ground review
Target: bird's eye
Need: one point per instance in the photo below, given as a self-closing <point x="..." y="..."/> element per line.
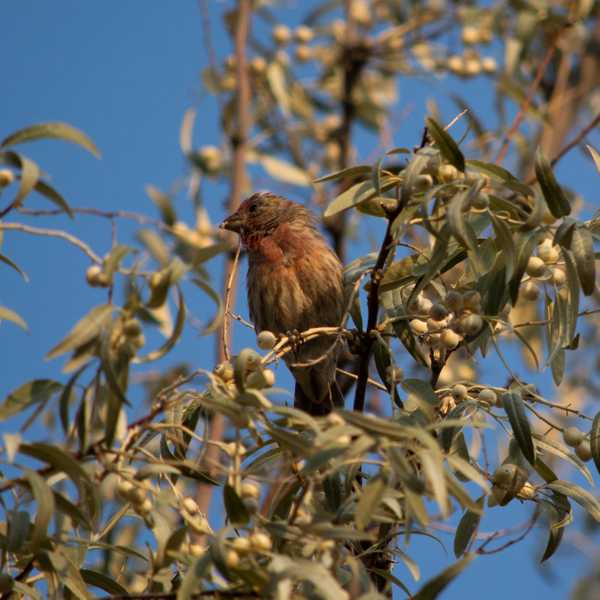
<point x="253" y="208"/>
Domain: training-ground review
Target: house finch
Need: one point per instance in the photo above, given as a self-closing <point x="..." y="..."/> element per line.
<point x="294" y="283"/>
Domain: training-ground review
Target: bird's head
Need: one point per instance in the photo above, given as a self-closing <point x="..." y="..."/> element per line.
<point x="261" y="214"/>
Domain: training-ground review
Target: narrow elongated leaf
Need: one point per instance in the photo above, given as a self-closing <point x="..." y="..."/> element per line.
<point x="582" y="246"/>
<point x="595" y="441"/>
<point x="525" y="245"/>
<point x="46" y="190"/>
<point x="573" y="287"/>
<point x="237" y="513"/>
<point x="38" y="391"/>
<point x="45" y="507"/>
<point x="102" y="581"/>
<point x="10" y="315"/>
<point x="283" y="170"/>
<point x="72" y="511"/>
<point x="556" y="528"/>
<point x="435" y="586"/>
<point x="504" y="244"/>
<point x="595" y="156"/>
<point x="466" y="529"/>
<point x="113" y="260"/>
<point x="65" y="399"/>
<point x="553" y="194"/>
<point x="557" y="449"/>
<point x="57" y="130"/>
<point x="447" y="146"/>
<point x="348" y="173"/>
<point x="30" y="175"/>
<point x="277" y="82"/>
<point x="369" y="501"/>
<point x="69" y="575"/>
<point x="84" y="331"/>
<point x="577" y="493"/>
<point x="163" y="202"/>
<point x="18" y="526"/>
<point x="515" y="410"/>
<point x="10" y="263"/>
<point x="59" y="460"/>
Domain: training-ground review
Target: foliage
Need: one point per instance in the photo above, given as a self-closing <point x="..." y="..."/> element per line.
<point x="477" y="261"/>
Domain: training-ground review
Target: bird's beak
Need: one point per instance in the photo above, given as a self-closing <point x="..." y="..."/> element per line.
<point x="232" y="223"/>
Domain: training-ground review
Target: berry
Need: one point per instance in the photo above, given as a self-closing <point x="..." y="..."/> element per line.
<point x="536" y="267"/>
<point x="489" y="396"/>
<point x="573" y="436"/>
<point x="584" y="450"/>
<point x="266" y="340"/>
<point x="459" y="392"/>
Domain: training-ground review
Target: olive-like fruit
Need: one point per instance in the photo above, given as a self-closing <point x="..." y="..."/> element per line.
<point x="573" y="436"/>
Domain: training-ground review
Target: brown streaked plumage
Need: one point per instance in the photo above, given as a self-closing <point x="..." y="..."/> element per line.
<point x="294" y="283"/>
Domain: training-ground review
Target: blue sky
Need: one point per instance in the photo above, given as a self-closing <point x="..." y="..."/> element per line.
<point x="125" y="72"/>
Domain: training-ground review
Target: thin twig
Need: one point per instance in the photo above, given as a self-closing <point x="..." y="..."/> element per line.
<point x="239" y="143"/>
<point x="226" y="335"/>
<point x="574" y="142"/>
<point x="387" y="246"/>
<point x="56" y="233"/>
<point x="527" y="102"/>
<point x="96" y="212"/>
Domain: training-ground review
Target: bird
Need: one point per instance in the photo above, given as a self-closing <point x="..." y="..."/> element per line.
<point x="294" y="283"/>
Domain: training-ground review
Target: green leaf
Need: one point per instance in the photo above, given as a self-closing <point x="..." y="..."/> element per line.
<point x="175" y="335"/>
<point x="102" y="581"/>
<point x="69" y="575"/>
<point x="113" y="260"/>
<point x="579" y="495"/>
<point x="435" y="586"/>
<point x="10" y="315"/>
<point x="582" y="246"/>
<point x="164" y="204"/>
<point x="553" y="194"/>
<point x="515" y="410"/>
<point x="38" y="391"/>
<point x="466" y="529"/>
<point x="191" y="582"/>
<point x="369" y="501"/>
<point x="155" y="245"/>
<point x="65" y="399"/>
<point x="447" y="146"/>
<point x="279" y="87"/>
<point x="556" y="529"/>
<point x="525" y="245"/>
<point x="573" y="287"/>
<point x="60" y="461"/>
<point x="504" y="244"/>
<point x="237" y="513"/>
<point x="349" y="173"/>
<point x="46" y="190"/>
<point x="30" y="174"/>
<point x="595" y="156"/>
<point x="18" y="526"/>
<point x="595" y="441"/>
<point x="13" y="265"/>
<point x="500" y="174"/>
<point x="283" y="170"/>
<point x="85" y="330"/>
<point x="45" y="507"/>
<point x="356" y="194"/>
<point x="56" y="130"/>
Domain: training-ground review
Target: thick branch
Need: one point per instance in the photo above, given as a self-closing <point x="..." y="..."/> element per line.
<point x="387" y="246"/>
<point x="238" y="141"/>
